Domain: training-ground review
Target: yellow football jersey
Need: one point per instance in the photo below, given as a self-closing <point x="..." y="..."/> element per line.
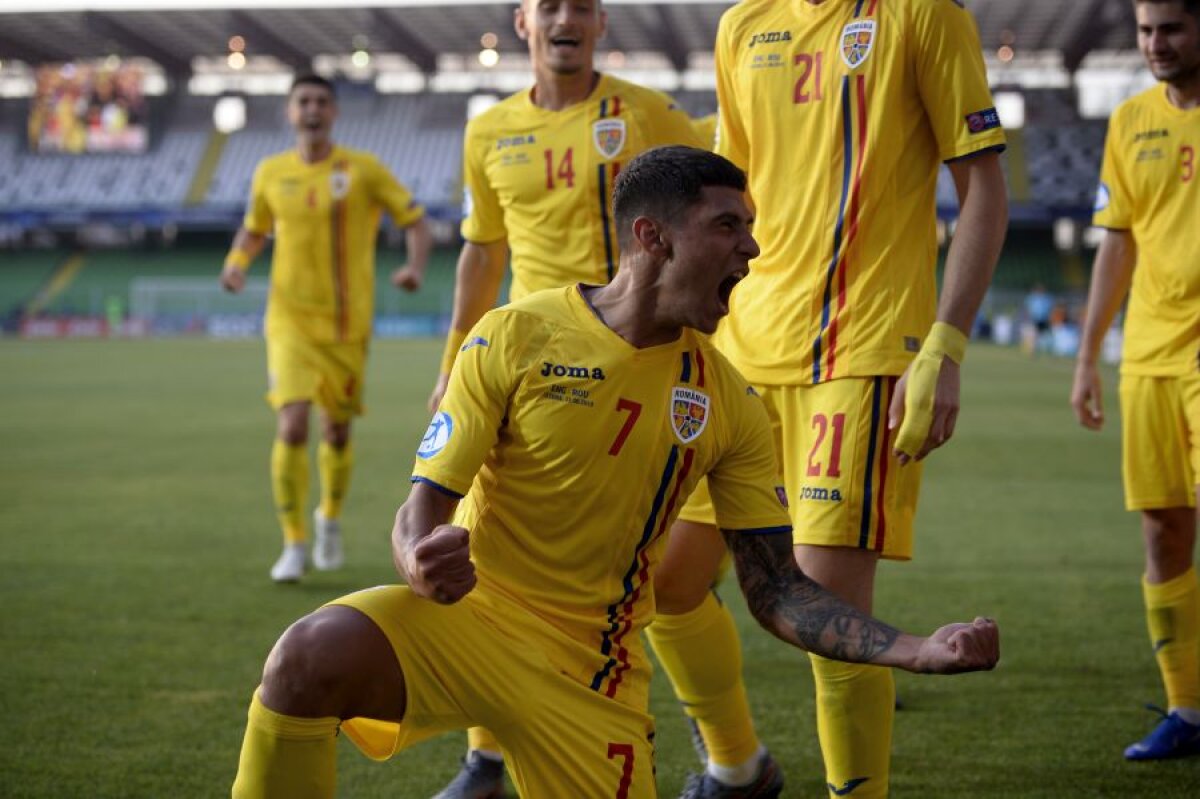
<point x="840" y="113"/>
<point x="543" y="179"/>
<point x="575" y="451"/>
<point x="1149" y="185"/>
<point x="325" y="217"/>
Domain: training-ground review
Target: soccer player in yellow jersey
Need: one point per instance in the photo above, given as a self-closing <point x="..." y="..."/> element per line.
<point x="574" y="425"/>
<point x="323" y="203"/>
<point x="841" y="112"/>
<point x="538" y="170"/>
<point x="1149" y="203"/>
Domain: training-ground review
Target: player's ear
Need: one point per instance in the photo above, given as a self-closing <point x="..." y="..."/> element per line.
<point x="649" y="235"/>
<point x="519" y="22"/>
<point x="602" y="26"/>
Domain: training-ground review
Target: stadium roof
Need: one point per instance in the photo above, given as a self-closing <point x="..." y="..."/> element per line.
<point x="60" y="30"/>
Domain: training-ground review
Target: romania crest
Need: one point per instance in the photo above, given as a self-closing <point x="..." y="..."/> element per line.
<point x="857" y="40"/>
<point x="609" y="136"/>
<point x="689" y="413"/>
<point x="339" y="183"/>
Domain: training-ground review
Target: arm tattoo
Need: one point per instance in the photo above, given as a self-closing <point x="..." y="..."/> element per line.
<point x="791" y="606"/>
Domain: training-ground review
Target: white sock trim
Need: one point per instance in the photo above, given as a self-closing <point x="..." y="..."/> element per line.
<point x="742" y="774"/>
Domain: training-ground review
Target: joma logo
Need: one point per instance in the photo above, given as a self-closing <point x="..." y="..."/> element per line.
<point x="772" y="37"/>
<point x="578" y="372"/>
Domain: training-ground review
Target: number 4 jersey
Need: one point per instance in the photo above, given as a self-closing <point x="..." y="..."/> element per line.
<point x="543" y="179"/>
<point x="841" y="113"/>
<point x="575" y="451"/>
<point x="1149" y="185"/>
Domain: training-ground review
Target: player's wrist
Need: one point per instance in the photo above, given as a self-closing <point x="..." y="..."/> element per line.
<point x="454" y="342"/>
<point x="946" y="340"/>
<point x="238" y="259"/>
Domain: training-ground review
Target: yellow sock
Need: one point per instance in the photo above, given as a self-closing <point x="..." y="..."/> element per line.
<point x="702" y="655"/>
<point x="1173" y="616"/>
<point x="482" y="738"/>
<point x="855" y="707"/>
<point x="334" y="465"/>
<point x="289" y="485"/>
<point x="285" y="756"/>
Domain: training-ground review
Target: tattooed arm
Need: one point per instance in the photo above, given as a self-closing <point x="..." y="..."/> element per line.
<point x="794" y="608"/>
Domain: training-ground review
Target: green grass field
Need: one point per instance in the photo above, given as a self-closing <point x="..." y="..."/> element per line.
<point x="137" y="531"/>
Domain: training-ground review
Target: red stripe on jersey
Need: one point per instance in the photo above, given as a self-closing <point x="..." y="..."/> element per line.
<point x="616" y="105"/>
<point x="700" y="371"/>
<point x="622" y="655"/>
<point x="871" y="8"/>
<point x="860" y="95"/>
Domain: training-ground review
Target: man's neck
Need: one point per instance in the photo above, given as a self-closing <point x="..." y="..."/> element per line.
<point x="1185" y="94"/>
<point x="313" y="151"/>
<point x="629" y="307"/>
<point x="555" y="92"/>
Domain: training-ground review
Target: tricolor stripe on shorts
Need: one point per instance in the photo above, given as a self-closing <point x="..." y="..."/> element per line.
<point x="872" y="533"/>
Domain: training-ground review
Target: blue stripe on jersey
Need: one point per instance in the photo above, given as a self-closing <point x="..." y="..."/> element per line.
<point x="847" y="157"/>
<point x="437" y="486"/>
<point x="784" y="528"/>
<point x="686" y="374"/>
<point x="604" y="108"/>
<point x="864" y="533"/>
<point x="858" y="8"/>
<point x="614" y="622"/>
<point x="608" y="248"/>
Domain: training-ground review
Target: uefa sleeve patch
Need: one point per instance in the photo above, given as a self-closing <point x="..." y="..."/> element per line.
<point x="979" y="121"/>
<point x="437" y="435"/>
<point x="1102" y="197"/>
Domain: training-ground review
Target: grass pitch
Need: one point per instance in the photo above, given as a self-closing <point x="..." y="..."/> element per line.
<point x="136" y="534"/>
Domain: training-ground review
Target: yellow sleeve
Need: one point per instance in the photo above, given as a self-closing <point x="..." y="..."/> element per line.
<point x="745" y="485"/>
<point x="258" y="218"/>
<point x="1114" y="207"/>
<point x="468" y="421"/>
<point x="731" y="140"/>
<point x="483" y="217"/>
<point x="952" y="79"/>
<point x="670" y="124"/>
<point x="394" y="195"/>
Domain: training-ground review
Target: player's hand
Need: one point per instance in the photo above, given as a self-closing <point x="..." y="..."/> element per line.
<point x="439" y="391"/>
<point x="407" y="278"/>
<point x="439" y="565"/>
<point x="960" y="647"/>
<point x="233" y="279"/>
<point x="924" y="406"/>
<point x="1086" y="398"/>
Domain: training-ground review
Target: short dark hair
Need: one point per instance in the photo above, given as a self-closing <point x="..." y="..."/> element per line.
<point x="664" y="182"/>
<point x="310" y="79"/>
<point x="1190" y="6"/>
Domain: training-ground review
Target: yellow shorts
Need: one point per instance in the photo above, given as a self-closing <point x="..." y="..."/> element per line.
<point x="331" y="375"/>
<point x="467" y="665"/>
<point x="1160" y="440"/>
<point x="845" y="487"/>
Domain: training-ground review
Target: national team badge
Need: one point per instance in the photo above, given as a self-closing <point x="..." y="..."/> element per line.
<point x="609" y="136"/>
<point x="339" y="184"/>
<point x="857" y="40"/>
<point x="689" y="413"/>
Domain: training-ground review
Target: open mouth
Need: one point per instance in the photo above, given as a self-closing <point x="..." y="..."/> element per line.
<point x="725" y="289"/>
<point x="564" y="41"/>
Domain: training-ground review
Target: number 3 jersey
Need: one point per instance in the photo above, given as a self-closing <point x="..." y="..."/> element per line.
<point x="543" y="179"/>
<point x="841" y="113"/>
<point x="575" y="451"/>
<point x="1149" y="185"/>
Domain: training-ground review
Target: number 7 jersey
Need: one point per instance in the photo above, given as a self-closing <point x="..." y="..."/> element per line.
<point x="575" y="451"/>
<point x="841" y="114"/>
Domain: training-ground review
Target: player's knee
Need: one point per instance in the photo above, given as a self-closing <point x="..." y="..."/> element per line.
<point x="310" y="671"/>
<point x="676" y="593"/>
